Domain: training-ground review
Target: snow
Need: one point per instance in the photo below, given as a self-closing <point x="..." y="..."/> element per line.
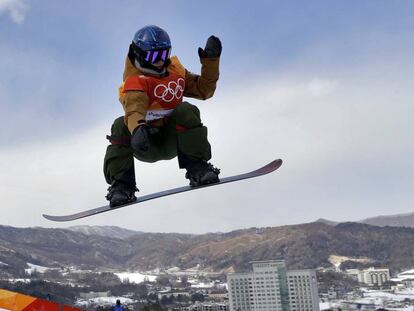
<point x="32" y="268"/>
<point x="135" y="277"/>
<point x="378" y="301"/>
<point x="328" y="305"/>
<point x="3" y="264"/>
<point x="410" y="272"/>
<point x="337" y="260"/>
<point x="19" y="280"/>
<point x="406" y="275"/>
<point x="203" y="285"/>
<point x="104" y="301"/>
<point x="408" y="308"/>
<point x="406" y="291"/>
<point x="392" y="300"/>
<point x="397" y="296"/>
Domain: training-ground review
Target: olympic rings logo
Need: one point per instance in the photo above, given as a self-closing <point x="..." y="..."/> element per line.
<point x="174" y="90"/>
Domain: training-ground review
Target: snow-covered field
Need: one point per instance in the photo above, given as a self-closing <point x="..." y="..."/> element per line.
<point x="377" y="298"/>
<point x="132" y="277"/>
<point x="135" y="277"/>
<point x="329" y="305"/>
<point x="406" y="275"/>
<point x="104" y="301"/>
<point x="19" y="280"/>
<point x="203" y="285"/>
<point x="32" y="268"/>
<point x="397" y="296"/>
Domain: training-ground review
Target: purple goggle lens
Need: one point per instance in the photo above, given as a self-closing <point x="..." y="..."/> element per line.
<point x="155" y="56"/>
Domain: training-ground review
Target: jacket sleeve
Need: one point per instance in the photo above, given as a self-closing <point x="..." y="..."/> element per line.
<point x="135" y="105"/>
<point x="202" y="86"/>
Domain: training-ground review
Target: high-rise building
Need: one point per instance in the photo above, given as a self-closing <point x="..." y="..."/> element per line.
<point x="269" y="287"/>
<point x="303" y="290"/>
<point x="240" y="287"/>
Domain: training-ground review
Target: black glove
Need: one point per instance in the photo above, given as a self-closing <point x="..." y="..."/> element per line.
<point x="212" y="49"/>
<point x="140" y="140"/>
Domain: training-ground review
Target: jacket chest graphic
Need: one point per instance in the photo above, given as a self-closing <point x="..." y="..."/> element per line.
<point x="166" y="94"/>
<point x="173" y="90"/>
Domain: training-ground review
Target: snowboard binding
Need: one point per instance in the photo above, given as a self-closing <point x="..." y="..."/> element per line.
<point x="202" y="173"/>
<point x="120" y="194"/>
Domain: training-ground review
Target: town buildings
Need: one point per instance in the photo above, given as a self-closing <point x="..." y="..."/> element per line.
<point x="370" y="276"/>
<point x="271" y="287"/>
<point x="205" y="306"/>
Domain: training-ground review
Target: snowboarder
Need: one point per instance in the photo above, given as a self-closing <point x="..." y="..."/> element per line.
<point x="158" y="124"/>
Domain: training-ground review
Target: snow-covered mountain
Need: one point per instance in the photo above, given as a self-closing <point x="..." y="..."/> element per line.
<point x="302" y="246"/>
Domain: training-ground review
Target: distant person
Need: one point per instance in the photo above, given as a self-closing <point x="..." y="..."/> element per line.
<point x="157" y="124"/>
<point x="118" y="306"/>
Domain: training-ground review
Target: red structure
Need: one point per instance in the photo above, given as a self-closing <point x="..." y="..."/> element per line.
<point x="17" y="302"/>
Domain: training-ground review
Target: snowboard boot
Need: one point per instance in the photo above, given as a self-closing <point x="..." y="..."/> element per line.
<point x="201" y="173"/>
<point x="120" y="194"/>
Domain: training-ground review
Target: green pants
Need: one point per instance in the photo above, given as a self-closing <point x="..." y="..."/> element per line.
<point x="183" y="134"/>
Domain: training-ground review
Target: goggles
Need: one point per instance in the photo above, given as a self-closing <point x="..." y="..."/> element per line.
<point x="157" y="55"/>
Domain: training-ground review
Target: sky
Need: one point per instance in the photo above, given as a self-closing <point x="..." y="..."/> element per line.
<point x="327" y="86"/>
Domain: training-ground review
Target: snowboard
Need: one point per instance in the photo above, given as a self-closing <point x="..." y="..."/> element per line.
<point x="272" y="166"/>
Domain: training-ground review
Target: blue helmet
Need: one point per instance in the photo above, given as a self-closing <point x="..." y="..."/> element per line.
<point x="150" y="45"/>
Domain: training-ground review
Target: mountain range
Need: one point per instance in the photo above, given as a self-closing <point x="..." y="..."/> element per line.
<point x="398" y="220"/>
<point x="310" y="245"/>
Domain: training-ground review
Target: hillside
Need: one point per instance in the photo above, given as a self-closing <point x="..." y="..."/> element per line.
<point x="302" y="246"/>
<point x="398" y="220"/>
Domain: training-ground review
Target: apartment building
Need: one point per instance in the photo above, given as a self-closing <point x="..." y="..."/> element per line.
<point x="240" y="287"/>
<point x="303" y="290"/>
<point x="370" y="276"/>
<point x="270" y="287"/>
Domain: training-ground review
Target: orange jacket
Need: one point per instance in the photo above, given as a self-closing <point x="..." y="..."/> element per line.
<point x="147" y="98"/>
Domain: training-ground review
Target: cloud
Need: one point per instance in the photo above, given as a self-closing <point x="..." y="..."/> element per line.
<point x="337" y="110"/>
<point x="344" y="144"/>
<point x="46" y="101"/>
<point x="17" y="9"/>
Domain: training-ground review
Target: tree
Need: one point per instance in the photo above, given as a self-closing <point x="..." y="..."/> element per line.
<point x="197" y="297"/>
<point x="152" y="297"/>
<point x="163" y="280"/>
<point x="153" y="307"/>
<point x="184" y="281"/>
<point x="182" y="298"/>
<point x="52" y="274"/>
<point x="167" y="300"/>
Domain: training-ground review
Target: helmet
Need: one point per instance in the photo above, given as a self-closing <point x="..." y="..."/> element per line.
<point x="150" y="45"/>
